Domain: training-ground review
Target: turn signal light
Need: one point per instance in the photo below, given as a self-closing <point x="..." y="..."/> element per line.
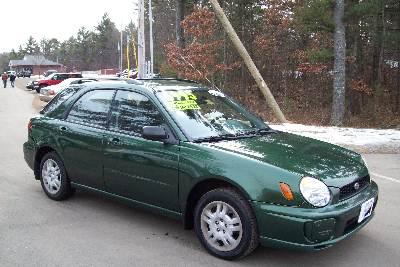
<point x="51" y="92"/>
<point x="286" y="191"/>
<point x="30" y="125"/>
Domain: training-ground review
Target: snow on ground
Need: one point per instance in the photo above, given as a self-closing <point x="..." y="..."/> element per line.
<point x="361" y="140"/>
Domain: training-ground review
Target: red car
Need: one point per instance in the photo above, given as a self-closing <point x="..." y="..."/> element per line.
<point x="54" y="79"/>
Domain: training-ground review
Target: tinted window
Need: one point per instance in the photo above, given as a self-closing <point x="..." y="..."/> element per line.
<point x="75" y="75"/>
<point x="92" y="108"/>
<point x="59" y="98"/>
<point x="133" y="111"/>
<point x="62" y="76"/>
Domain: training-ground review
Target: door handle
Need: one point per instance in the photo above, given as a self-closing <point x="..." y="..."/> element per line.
<point x="114" y="140"/>
<point x="63" y="128"/>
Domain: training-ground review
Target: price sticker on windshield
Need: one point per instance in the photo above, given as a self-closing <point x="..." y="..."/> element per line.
<point x="184" y="101"/>
<point x="186" y="105"/>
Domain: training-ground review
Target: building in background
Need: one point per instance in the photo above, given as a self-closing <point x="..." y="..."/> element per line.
<point x="36" y="64"/>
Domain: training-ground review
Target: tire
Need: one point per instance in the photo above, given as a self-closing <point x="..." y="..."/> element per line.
<point x="55" y="184"/>
<point x="238" y="227"/>
<point x="40" y="88"/>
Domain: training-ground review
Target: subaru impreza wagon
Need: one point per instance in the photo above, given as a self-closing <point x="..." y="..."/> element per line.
<point x="192" y="153"/>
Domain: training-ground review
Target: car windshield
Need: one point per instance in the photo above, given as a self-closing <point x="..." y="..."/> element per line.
<point x="203" y="114"/>
<point x="49" y="77"/>
<point x="66" y="82"/>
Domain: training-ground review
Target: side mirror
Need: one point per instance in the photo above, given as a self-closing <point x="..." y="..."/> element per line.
<point x="155" y="133"/>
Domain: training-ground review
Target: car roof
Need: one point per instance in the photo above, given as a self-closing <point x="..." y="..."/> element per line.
<point x="150" y="85"/>
<point x="66" y="73"/>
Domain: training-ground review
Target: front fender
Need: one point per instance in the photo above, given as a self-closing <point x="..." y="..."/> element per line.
<point x="258" y="181"/>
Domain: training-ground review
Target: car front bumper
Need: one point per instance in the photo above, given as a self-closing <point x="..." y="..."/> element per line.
<point x="312" y="229"/>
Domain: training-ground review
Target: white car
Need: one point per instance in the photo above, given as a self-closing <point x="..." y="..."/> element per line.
<point x="47" y="93"/>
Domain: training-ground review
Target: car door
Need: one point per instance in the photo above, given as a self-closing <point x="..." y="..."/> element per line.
<point x="53" y="80"/>
<point x="81" y="137"/>
<point x="136" y="168"/>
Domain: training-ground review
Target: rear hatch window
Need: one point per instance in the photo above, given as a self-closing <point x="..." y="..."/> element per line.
<point x="59" y="99"/>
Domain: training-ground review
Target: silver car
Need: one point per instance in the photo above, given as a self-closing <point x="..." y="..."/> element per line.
<point x="47" y="93"/>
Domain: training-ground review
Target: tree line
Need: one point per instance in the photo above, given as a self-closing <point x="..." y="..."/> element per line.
<point x="291" y="42"/>
<point x="305" y="51"/>
<point x="88" y="49"/>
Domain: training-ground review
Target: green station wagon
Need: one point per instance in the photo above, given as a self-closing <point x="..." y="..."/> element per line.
<point x="190" y="152"/>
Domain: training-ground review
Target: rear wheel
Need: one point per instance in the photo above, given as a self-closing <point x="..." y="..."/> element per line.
<point x="225" y="224"/>
<point x="53" y="177"/>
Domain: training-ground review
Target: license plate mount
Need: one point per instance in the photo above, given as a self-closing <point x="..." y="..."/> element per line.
<point x="366" y="209"/>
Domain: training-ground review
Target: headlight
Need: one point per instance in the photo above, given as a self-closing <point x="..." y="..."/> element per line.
<point x="315" y="192"/>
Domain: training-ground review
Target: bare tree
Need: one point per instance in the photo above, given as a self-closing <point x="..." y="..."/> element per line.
<point x="339" y="68"/>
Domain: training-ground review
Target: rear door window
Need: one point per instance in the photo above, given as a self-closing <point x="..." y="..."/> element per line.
<point x="63" y="77"/>
<point x="75" y="75"/>
<point x="92" y="108"/>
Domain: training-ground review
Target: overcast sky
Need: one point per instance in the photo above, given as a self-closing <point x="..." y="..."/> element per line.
<point x="59" y="19"/>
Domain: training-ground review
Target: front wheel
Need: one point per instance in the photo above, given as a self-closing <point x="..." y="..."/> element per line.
<point x="225" y="224"/>
<point x="40" y="88"/>
<point x="53" y="177"/>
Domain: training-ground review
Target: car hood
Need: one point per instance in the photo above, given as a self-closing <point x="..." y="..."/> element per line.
<point x="301" y="155"/>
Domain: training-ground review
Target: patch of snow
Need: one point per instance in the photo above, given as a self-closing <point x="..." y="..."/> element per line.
<point x="362" y="140"/>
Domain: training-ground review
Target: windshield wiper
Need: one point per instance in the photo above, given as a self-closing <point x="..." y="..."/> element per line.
<point x="208" y="139"/>
<point x="261" y="131"/>
<point x="215" y="138"/>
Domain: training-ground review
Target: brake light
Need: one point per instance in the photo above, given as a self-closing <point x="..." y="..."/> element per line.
<point x="30" y="125"/>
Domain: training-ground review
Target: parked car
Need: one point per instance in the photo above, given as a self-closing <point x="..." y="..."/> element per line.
<point x="24" y="74"/>
<point x="30" y="85"/>
<point x="11" y="72"/>
<point x="133" y="74"/>
<point x="49" y="72"/>
<point x="54" y="79"/>
<point x="192" y="153"/>
<point x="47" y="93"/>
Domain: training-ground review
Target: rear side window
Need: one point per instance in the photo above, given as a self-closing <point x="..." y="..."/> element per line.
<point x="75" y="75"/>
<point x="132" y="111"/>
<point x="92" y="108"/>
<point x="63" y="76"/>
<point x="58" y="99"/>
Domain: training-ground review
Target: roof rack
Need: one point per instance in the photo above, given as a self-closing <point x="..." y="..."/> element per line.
<point x="166" y="79"/>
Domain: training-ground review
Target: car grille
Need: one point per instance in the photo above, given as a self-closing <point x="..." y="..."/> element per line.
<point x="350" y="190"/>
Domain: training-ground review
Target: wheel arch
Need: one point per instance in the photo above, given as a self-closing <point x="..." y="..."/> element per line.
<point x="40" y="153"/>
<point x="198" y="190"/>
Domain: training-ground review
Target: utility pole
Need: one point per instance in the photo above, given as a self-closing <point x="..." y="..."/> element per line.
<point x="141" y="42"/>
<point x="248" y="61"/>
<point x="151" y="40"/>
<point x="121" y="53"/>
